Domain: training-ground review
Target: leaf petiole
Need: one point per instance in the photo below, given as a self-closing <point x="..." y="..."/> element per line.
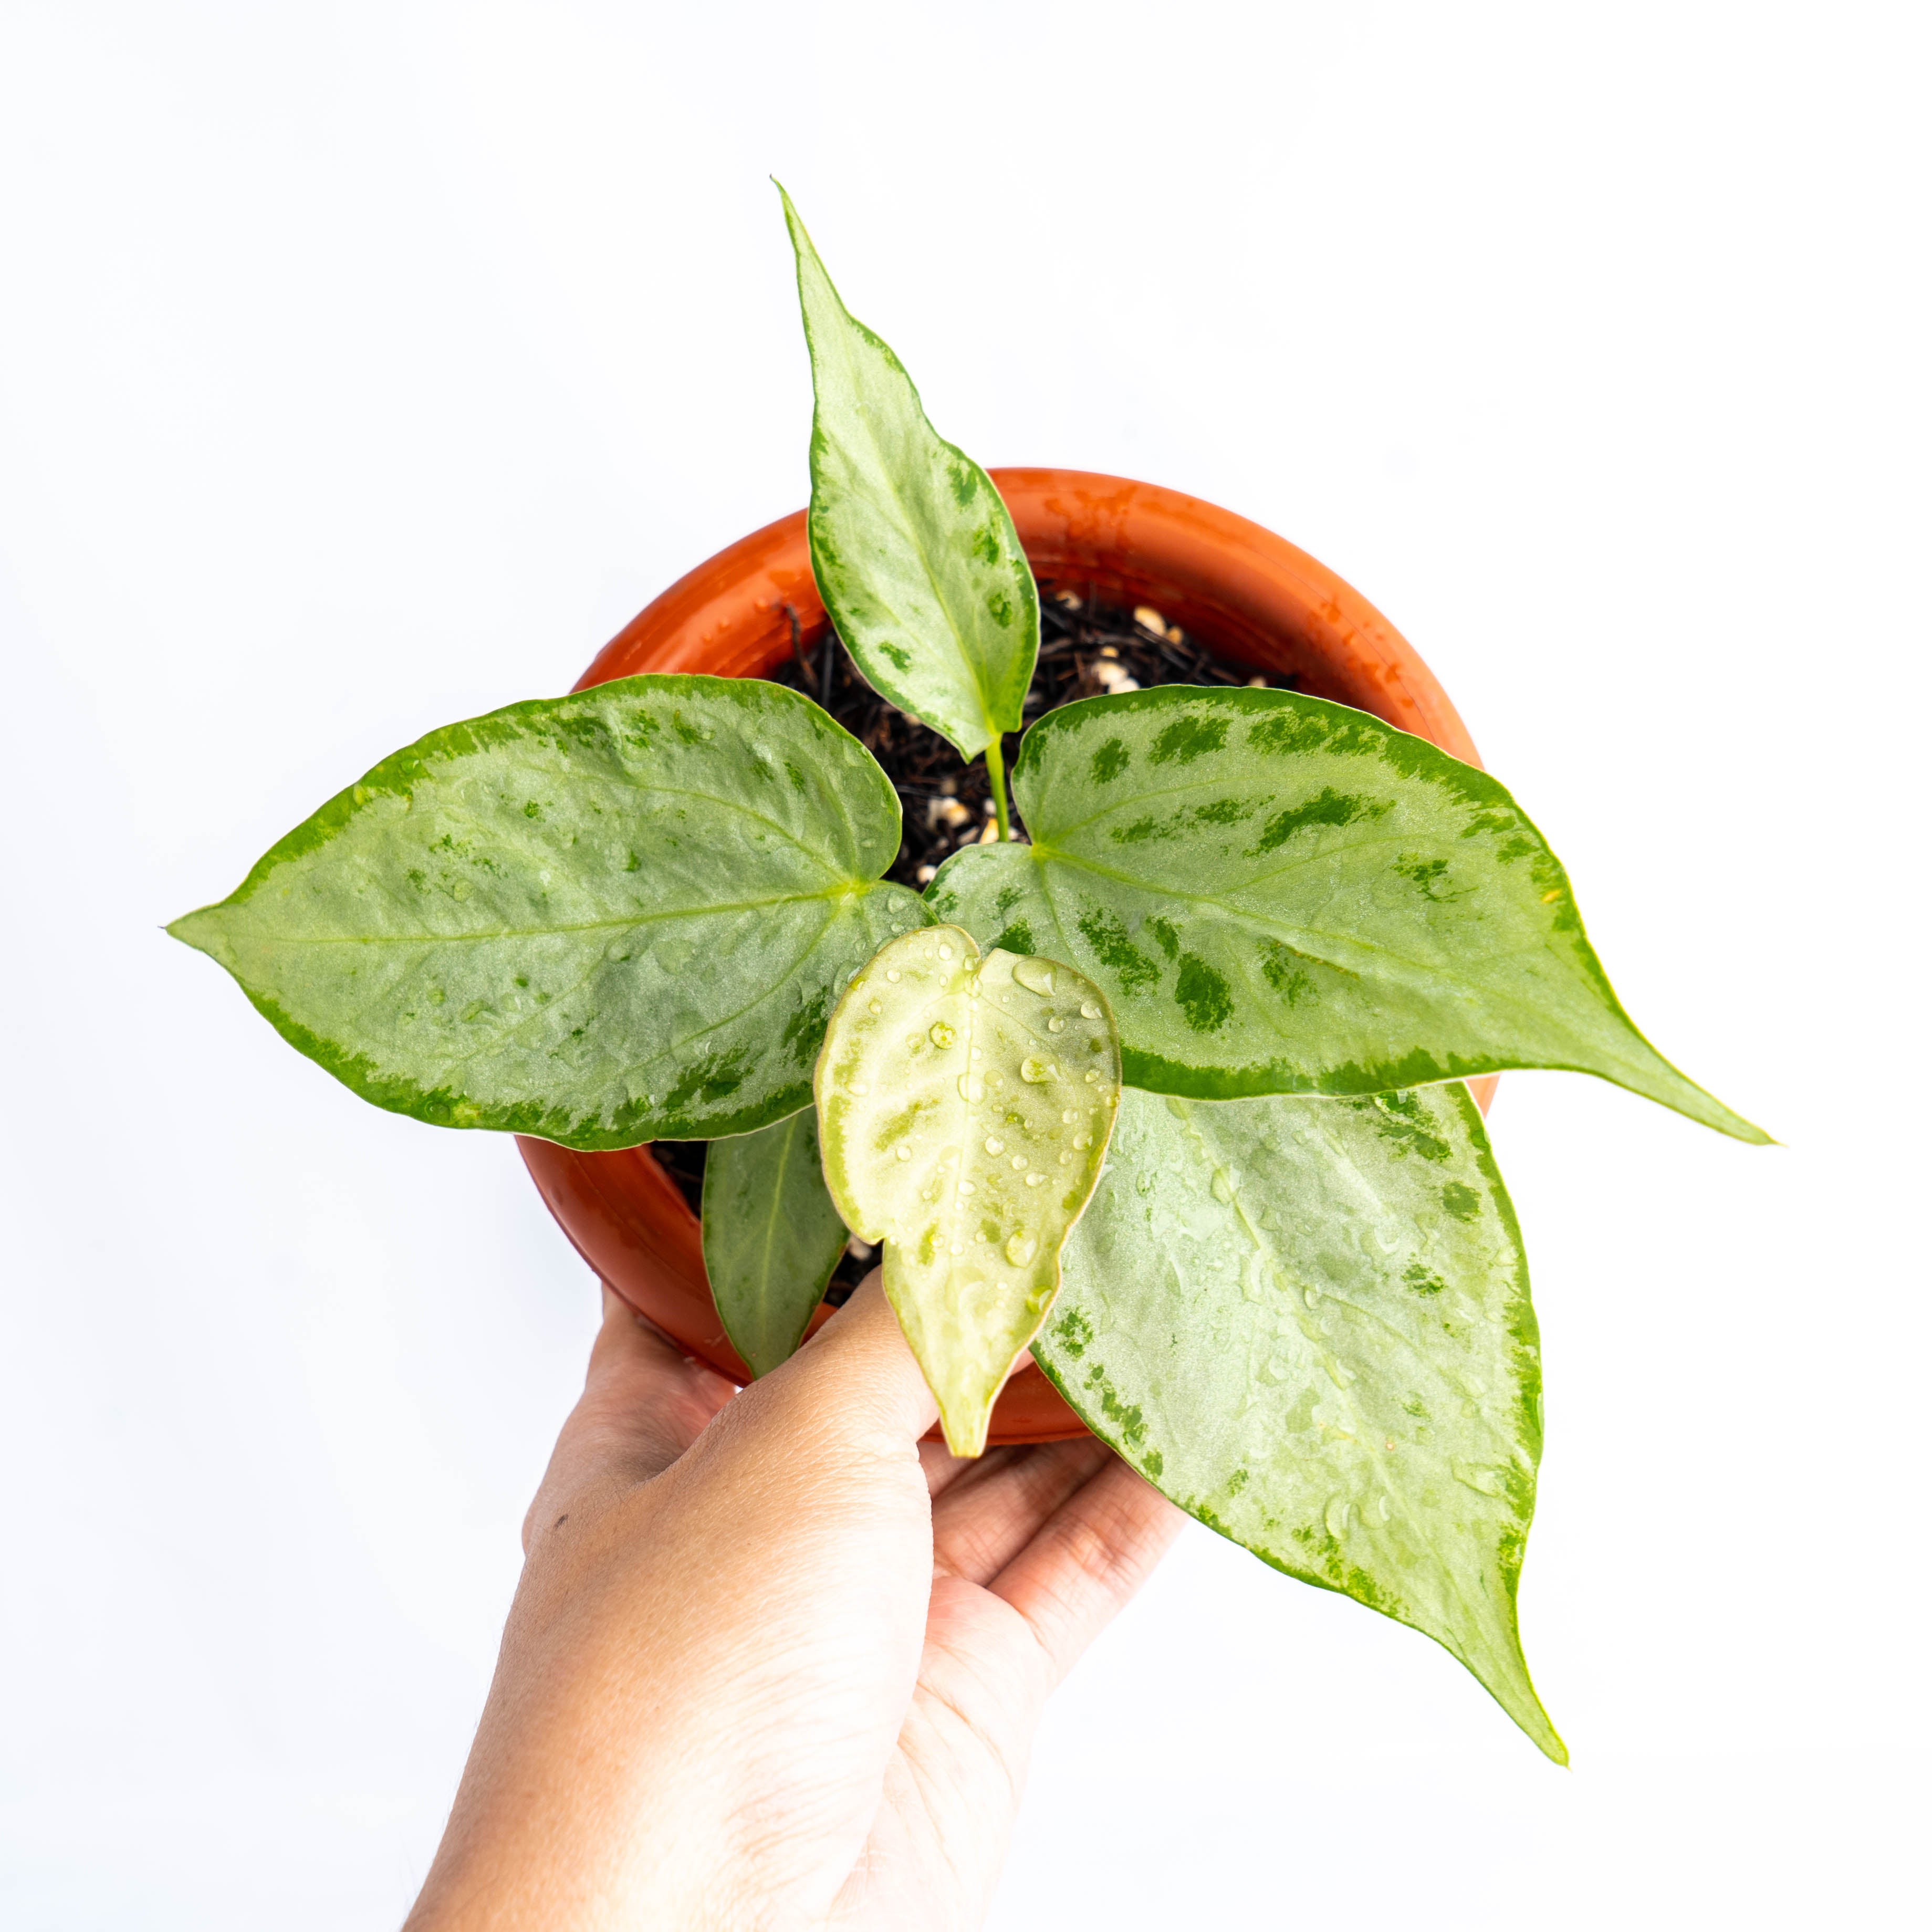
<point x="996" y="779"/>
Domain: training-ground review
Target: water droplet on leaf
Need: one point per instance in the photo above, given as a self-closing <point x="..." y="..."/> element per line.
<point x="1035" y="975"/>
<point x="1036" y="1072"/>
<point x="941" y="1035"/>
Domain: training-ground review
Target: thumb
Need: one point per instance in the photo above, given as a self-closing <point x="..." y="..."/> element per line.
<point x="854" y="1387"/>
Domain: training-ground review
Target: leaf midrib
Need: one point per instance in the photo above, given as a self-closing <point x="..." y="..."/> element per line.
<point x="629" y="922"/>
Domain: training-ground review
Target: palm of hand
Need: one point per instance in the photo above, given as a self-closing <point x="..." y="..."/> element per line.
<point x="772" y="1663"/>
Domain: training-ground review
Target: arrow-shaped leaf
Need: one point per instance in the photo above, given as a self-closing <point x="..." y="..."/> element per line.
<point x="964" y="1106"/>
<point x="772" y="1237"/>
<point x="1284" y="895"/>
<point x="915" y="553"/>
<point x="602" y="919"/>
<point x="1308" y="1322"/>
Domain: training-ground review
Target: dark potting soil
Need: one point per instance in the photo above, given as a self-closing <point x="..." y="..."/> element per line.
<point x="1087" y="649"/>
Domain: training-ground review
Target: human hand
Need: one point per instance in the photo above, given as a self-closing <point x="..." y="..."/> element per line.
<point x="772" y="1660"/>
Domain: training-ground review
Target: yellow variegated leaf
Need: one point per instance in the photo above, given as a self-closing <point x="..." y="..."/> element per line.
<point x="965" y="1106"/>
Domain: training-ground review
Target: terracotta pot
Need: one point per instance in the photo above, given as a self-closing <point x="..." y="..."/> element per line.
<point x="1243" y="591"/>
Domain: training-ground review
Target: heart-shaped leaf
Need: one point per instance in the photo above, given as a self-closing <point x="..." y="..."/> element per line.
<point x="602" y="919"/>
<point x="1284" y="895"/>
<point x="964" y="1106"/>
<point x="915" y="553"/>
<point x="1308" y="1322"/>
<point x="772" y="1237"/>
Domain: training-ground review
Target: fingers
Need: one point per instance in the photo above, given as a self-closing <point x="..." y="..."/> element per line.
<point x="644" y="1403"/>
<point x="982" y="1519"/>
<point x="855" y="1384"/>
<point x="1094" y="1552"/>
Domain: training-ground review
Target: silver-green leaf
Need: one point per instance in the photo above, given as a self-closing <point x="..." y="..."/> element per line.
<point x="1309" y="1323"/>
<point x="613" y="917"/>
<point x="964" y="1106"/>
<point x="1284" y="895"/>
<point x="915" y="553"/>
<point x="772" y="1237"/>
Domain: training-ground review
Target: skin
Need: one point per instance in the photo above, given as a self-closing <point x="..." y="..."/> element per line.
<point x="773" y="1661"/>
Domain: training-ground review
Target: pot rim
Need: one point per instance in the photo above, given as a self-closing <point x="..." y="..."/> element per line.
<point x="1236" y="587"/>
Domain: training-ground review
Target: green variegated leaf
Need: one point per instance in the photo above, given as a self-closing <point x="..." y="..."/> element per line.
<point x="964" y="1106"/>
<point x="602" y="919"/>
<point x="772" y="1237"/>
<point x="915" y="553"/>
<point x="1284" y="895"/>
<point x="1308" y="1322"/>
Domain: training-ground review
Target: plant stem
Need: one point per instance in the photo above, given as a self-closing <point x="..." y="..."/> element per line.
<point x="996" y="779"/>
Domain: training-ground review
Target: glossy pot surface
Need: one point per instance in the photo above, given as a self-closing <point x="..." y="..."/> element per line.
<point x="1243" y="591"/>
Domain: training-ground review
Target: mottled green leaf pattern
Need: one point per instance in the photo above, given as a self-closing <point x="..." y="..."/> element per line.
<point x="772" y="1237"/>
<point x="964" y="1106"/>
<point x="1284" y="895"/>
<point x="915" y="553"/>
<point x="602" y="919"/>
<point x="1308" y="1322"/>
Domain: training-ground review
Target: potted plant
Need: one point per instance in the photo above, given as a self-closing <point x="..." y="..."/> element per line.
<point x="1161" y="1073"/>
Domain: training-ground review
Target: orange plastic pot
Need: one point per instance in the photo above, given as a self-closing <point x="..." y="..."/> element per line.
<point x="1243" y="591"/>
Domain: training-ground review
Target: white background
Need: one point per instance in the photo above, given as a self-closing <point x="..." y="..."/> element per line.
<point x="364" y="367"/>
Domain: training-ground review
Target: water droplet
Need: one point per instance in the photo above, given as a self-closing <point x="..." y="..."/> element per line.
<point x="892" y="973"/>
<point x="1336" y="1516"/>
<point x="971" y="1086"/>
<point x="1066" y="1157"/>
<point x="1485" y="1482"/>
<point x="859" y="1087"/>
<point x="1221" y="1187"/>
<point x="1083" y="1140"/>
<point x="977" y="1054"/>
<point x="1034" y="1180"/>
<point x="871" y="1005"/>
<point x="1311" y="1296"/>
<point x="914" y="1043"/>
<point x="941" y="1035"/>
<point x="993" y="1146"/>
<point x="1056" y="1024"/>
<point x="1068" y="1116"/>
<point x="902" y="1154"/>
<point x="1093" y="1078"/>
<point x="1088" y="1010"/>
<point x="1035" y="975"/>
<point x="967" y="1187"/>
<point x="1382" y="1509"/>
<point x="958" y="1248"/>
<point x="946" y="953"/>
<point x="1036" y="1072"/>
<point x="1019" y="1160"/>
<point x="1021" y="1247"/>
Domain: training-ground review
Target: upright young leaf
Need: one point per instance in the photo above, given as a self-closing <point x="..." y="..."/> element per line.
<point x="1308" y="1322"/>
<point x="772" y="1237"/>
<point x="602" y="919"/>
<point x="1284" y="895"/>
<point x="915" y="553"/>
<point x="964" y="1108"/>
